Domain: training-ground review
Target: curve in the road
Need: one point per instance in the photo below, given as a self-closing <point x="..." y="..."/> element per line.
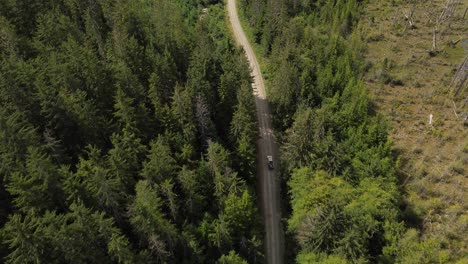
<point x="266" y="145"/>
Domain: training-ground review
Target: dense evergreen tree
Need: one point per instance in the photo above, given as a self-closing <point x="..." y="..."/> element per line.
<point x="128" y="132"/>
<point x="56" y="238"/>
<point x="232" y="258"/>
<point x="337" y="162"/>
<point x="244" y="132"/>
<point x="118" y="139"/>
<point x="36" y="187"/>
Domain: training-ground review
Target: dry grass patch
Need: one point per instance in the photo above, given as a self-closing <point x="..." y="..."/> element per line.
<point x="409" y="80"/>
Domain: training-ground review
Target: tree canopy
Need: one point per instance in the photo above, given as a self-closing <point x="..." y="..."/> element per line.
<point x="337" y="164"/>
<point x="127" y="134"/>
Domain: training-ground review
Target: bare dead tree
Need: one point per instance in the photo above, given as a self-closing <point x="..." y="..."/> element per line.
<point x="203" y="115"/>
<point x="434" y="43"/>
<point x="452" y="43"/>
<point x="447" y="12"/>
<point x="167" y="190"/>
<point x="409" y="15"/>
<point x="460" y="78"/>
<point x="445" y="16"/>
<point x="464" y="102"/>
<point x="157" y="246"/>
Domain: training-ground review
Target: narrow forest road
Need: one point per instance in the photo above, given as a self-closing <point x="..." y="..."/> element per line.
<point x="268" y="179"/>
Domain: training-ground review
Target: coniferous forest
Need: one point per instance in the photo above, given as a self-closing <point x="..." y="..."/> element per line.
<point x="127" y="134"/>
<point x="340" y="184"/>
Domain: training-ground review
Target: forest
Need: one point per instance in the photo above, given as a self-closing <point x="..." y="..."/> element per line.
<point x="127" y="133"/>
<point x="340" y="184"/>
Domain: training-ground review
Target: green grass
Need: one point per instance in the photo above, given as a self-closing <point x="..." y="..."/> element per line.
<point x="454" y="54"/>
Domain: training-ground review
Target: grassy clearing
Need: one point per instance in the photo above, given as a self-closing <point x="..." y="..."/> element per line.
<point x="408" y="84"/>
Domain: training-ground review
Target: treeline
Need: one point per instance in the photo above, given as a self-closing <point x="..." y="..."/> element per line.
<point x="337" y="163"/>
<point x="127" y="133"/>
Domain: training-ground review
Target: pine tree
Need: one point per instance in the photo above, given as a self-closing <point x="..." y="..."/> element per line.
<point x="191" y="188"/>
<point x="147" y="219"/>
<point x="161" y="165"/>
<point x="19" y="234"/>
<point x="244" y="132"/>
<point x="124" y="158"/>
<point x="95" y="185"/>
<point x="232" y="258"/>
<point x="37" y="187"/>
<point x="184" y="115"/>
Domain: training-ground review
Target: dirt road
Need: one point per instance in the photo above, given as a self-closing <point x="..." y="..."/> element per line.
<point x="268" y="179"/>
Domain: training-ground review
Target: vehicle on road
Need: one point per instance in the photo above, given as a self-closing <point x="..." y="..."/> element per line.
<point x="270" y="162"/>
